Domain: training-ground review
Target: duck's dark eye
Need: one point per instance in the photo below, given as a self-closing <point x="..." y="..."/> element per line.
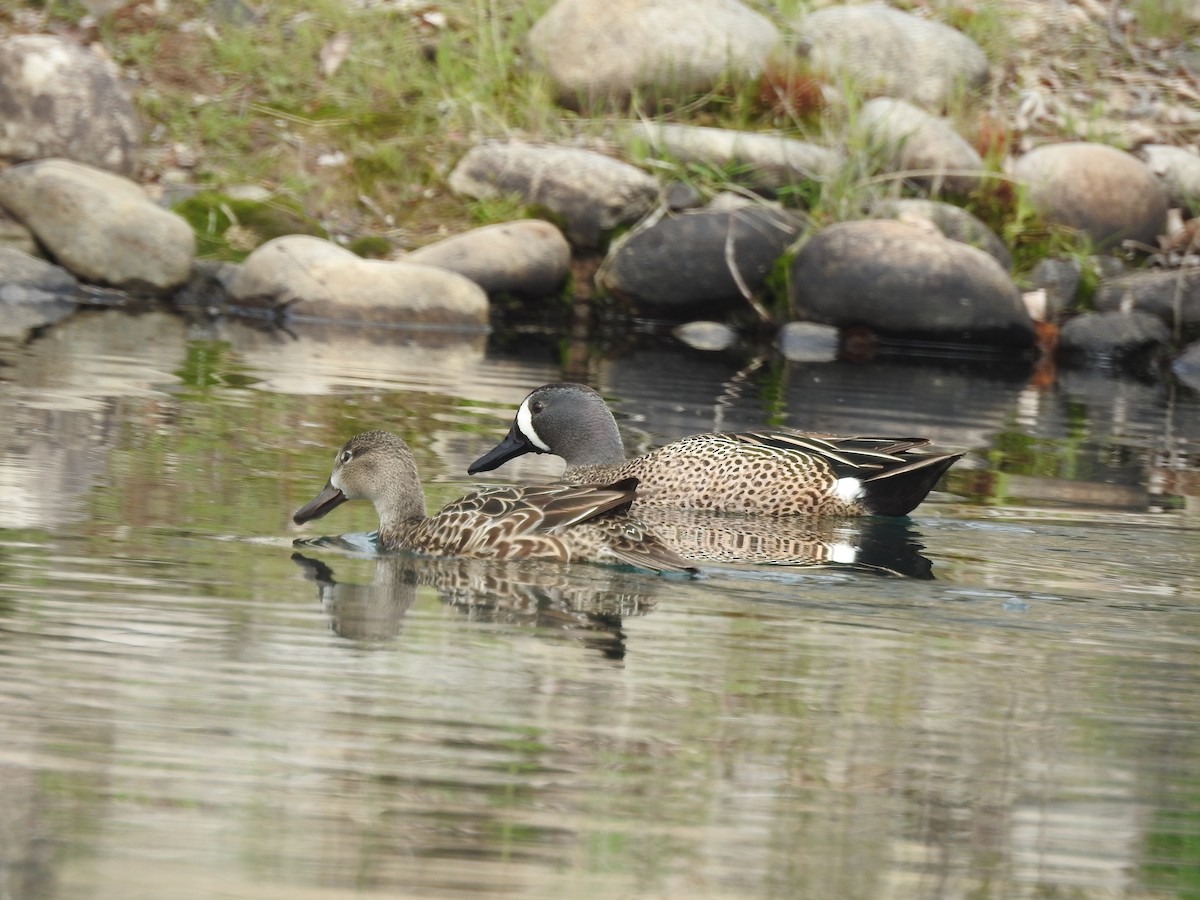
<point x="347" y="455"/>
<point x="536" y="406"/>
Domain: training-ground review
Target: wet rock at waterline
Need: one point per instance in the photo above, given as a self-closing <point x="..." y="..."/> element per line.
<point x="704" y="335"/>
<point x="1059" y="280"/>
<point x="1187" y="366"/>
<point x="101" y="227"/>
<point x="665" y="48"/>
<point x="58" y="99"/>
<point x="1132" y="338"/>
<point x="759" y="161"/>
<point x="952" y="221"/>
<point x="1106" y="193"/>
<point x="309" y="277"/>
<point x="526" y="257"/>
<point x="689" y="261"/>
<point x="902" y="280"/>
<point x="883" y="51"/>
<point x="1171" y="294"/>
<point x="33" y="293"/>
<point x="923" y="149"/>
<point x="590" y="192"/>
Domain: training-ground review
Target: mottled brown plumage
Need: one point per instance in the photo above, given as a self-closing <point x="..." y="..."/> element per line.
<point x="559" y="522"/>
<point x="779" y="473"/>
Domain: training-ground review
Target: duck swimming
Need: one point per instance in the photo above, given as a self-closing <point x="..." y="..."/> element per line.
<point x="557" y="522"/>
<point x="776" y="473"/>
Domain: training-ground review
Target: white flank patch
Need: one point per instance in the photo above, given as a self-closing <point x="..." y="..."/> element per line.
<point x="525" y="426"/>
<point x="843" y="553"/>
<point x="847" y="489"/>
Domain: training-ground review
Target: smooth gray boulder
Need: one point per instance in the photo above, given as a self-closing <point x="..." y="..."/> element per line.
<point x="924" y="148"/>
<point x="884" y="51"/>
<point x="953" y="221"/>
<point x="307" y="277"/>
<point x="666" y="49"/>
<point x="1178" y="170"/>
<point x="57" y="99"/>
<point x="526" y="257"/>
<point x="760" y="161"/>
<point x="100" y="226"/>
<point x="698" y="259"/>
<point x="906" y="281"/>
<point x="1103" y="192"/>
<point x="590" y="192"/>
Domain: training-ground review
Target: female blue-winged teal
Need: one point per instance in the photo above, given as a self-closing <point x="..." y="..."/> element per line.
<point x="777" y="473"/>
<point x="559" y="522"/>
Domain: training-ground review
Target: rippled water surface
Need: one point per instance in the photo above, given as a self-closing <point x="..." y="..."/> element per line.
<point x="1000" y="700"/>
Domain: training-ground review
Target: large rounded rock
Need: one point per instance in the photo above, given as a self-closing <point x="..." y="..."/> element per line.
<point x="952" y="221"/>
<point x="761" y="161"/>
<point x="901" y="280"/>
<point x="100" y="226"/>
<point x="924" y="148"/>
<point x="59" y="100"/>
<point x="309" y="277"/>
<point x="699" y="259"/>
<point x="884" y="51"/>
<point x="666" y="48"/>
<point x="591" y="193"/>
<point x="527" y="257"/>
<point x="1099" y="190"/>
<point x="1171" y="294"/>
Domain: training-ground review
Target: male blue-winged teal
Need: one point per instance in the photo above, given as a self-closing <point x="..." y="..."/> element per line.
<point x="558" y="522"/>
<point x="776" y="473"/>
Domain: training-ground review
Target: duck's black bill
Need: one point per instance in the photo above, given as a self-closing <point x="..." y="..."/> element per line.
<point x="328" y="499"/>
<point x="514" y="444"/>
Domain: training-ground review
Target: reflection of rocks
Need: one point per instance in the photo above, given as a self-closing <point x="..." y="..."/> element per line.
<point x="63" y="400"/>
<point x="587" y="602"/>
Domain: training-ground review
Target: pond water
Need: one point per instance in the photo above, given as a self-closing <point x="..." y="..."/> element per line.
<point x="1002" y="701"/>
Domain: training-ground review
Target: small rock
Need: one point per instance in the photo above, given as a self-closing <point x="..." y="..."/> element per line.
<point x="698" y="259"/>
<point x="1099" y="190"/>
<point x="808" y="342"/>
<point x="1166" y="293"/>
<point x="100" y="226"/>
<point x="761" y="161"/>
<point x="59" y="100"/>
<point x="900" y="280"/>
<point x="886" y="52"/>
<point x="702" y="335"/>
<point x="952" y="221"/>
<point x="308" y="277"/>
<point x="912" y="140"/>
<point x="591" y="192"/>
<point x="1187" y="366"/>
<point x="1059" y="279"/>
<point x="33" y="293"/>
<point x="663" y="48"/>
<point x="1113" y="338"/>
<point x="527" y="257"/>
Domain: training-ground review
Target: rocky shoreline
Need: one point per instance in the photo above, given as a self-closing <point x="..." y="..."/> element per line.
<point x="916" y="265"/>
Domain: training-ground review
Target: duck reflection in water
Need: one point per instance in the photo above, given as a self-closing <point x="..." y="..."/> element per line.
<point x="581" y="603"/>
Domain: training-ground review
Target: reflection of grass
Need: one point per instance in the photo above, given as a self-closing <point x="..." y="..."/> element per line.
<point x="1172" y="850"/>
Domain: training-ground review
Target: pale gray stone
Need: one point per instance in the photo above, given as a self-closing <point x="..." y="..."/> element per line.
<point x="808" y="342"/>
<point x="953" y="221"/>
<point x="100" y="226"/>
<point x="1187" y="366"/>
<point x="666" y="48"/>
<point x="59" y="100"/>
<point x="902" y="280"/>
<point x="884" y="51"/>
<point x="1099" y="190"/>
<point x="924" y="148"/>
<point x="591" y="192"/>
<point x="1178" y="170"/>
<point x="526" y="257"/>
<point x="705" y="335"/>
<point x="760" y="161"/>
<point x="307" y="277"/>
